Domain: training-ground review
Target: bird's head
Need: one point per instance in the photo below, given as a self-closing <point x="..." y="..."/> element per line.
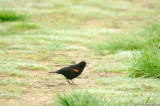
<point x="83" y="64"/>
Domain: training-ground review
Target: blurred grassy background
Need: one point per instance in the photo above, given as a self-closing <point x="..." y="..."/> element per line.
<point x="37" y="36"/>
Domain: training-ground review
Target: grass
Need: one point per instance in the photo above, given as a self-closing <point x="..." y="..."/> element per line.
<point x="125" y="90"/>
<point x="118" y="43"/>
<point x="119" y="62"/>
<point x="32" y="67"/>
<point x="113" y="67"/>
<point x="49" y="47"/>
<point x="8" y="95"/>
<point x="11" y="88"/>
<point x="101" y="97"/>
<point x="137" y="41"/>
<point x="47" y="78"/>
<point x="80" y="98"/>
<point x="146" y="63"/>
<point x="152" y="34"/>
<point x="24" y="26"/>
<point x="10" y="15"/>
<point x="10" y="70"/>
<point x="13" y="82"/>
<point x="63" y="60"/>
<point x="41" y="36"/>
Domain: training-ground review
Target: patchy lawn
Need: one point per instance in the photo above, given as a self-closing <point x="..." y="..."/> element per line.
<point x="39" y="36"/>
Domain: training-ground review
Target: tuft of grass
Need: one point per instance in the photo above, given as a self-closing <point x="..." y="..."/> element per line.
<point x="124" y="42"/>
<point x="121" y="43"/>
<point x="118" y="43"/>
<point x="24" y="26"/>
<point x="152" y="35"/>
<point x="147" y="63"/>
<point x="10" y="15"/>
<point x="80" y="98"/>
<point x="101" y="97"/>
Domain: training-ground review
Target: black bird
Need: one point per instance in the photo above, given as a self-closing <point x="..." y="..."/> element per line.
<point x="71" y="71"/>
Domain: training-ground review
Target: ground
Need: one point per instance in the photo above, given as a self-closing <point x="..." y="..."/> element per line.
<point x="57" y="34"/>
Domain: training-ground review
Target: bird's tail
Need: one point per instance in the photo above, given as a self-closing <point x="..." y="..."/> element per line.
<point x="53" y="72"/>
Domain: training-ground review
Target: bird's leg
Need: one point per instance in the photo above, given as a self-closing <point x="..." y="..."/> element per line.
<point x="69" y="82"/>
<point x="73" y="83"/>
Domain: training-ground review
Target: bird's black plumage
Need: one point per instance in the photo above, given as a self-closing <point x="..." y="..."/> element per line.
<point x="71" y="71"/>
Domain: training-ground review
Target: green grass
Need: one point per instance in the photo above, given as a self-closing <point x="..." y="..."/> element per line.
<point x="105" y="97"/>
<point x="146" y="63"/>
<point x="10" y="15"/>
<point x="124" y="42"/>
<point x="113" y="67"/>
<point x="49" y="47"/>
<point x="24" y="26"/>
<point x="80" y="98"/>
<point x="40" y="36"/>
<point x="119" y="62"/>
<point x="118" y="43"/>
<point x="12" y="88"/>
<point x="10" y="70"/>
<point x="13" y="82"/>
<point x="47" y="78"/>
<point x="63" y="60"/>
<point x="7" y="95"/>
<point x="125" y="90"/>
<point x="32" y="67"/>
<point x="152" y="34"/>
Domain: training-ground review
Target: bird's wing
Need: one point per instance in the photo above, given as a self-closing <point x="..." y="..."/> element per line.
<point x="65" y="69"/>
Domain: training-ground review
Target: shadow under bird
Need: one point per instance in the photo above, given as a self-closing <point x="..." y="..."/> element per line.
<point x="72" y="71"/>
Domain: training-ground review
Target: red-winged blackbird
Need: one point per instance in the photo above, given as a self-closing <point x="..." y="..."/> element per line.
<point x="72" y="71"/>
